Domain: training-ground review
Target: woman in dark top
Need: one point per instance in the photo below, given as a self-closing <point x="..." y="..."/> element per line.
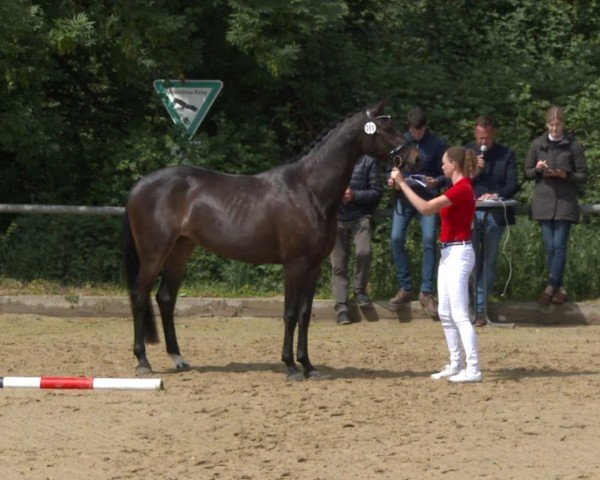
<point x="556" y="162"/>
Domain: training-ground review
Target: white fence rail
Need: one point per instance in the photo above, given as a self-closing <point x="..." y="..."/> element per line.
<point x="519" y="210"/>
<point x="86" y="210"/>
<point x="60" y="209"/>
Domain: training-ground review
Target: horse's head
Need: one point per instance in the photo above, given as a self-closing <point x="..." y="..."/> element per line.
<point x="381" y="139"/>
<point x="406" y="157"/>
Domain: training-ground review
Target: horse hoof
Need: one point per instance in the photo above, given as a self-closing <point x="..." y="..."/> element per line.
<point x="183" y="367"/>
<point x="141" y="371"/>
<point x="315" y="375"/>
<point x="294" y="377"/>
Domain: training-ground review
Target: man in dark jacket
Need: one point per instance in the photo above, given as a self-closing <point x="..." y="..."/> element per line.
<point x="496" y="179"/>
<point x="354" y="222"/>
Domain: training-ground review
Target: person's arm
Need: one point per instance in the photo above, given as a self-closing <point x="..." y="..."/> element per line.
<point x="579" y="174"/>
<point x="531" y="170"/>
<point x="424" y="207"/>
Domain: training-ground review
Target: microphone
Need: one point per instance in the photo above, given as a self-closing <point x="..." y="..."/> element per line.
<point x="486" y="166"/>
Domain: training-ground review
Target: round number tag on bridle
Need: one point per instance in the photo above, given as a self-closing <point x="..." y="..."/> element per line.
<point x="370" y="128"/>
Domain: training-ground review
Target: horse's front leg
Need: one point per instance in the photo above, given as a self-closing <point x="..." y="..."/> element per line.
<point x="290" y="318"/>
<point x="294" y="279"/>
<point x="305" y="314"/>
<point x="302" y="350"/>
<point x="302" y="283"/>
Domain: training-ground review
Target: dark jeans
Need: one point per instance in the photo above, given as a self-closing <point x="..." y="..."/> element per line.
<point x="403" y="214"/>
<point x="555" y="235"/>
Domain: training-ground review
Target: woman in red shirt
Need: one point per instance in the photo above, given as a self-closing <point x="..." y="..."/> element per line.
<point x="456" y="208"/>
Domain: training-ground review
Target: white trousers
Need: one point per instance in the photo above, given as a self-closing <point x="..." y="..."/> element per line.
<point x="456" y="265"/>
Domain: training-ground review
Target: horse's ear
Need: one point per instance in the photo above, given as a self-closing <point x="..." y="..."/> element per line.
<point x="378" y="108"/>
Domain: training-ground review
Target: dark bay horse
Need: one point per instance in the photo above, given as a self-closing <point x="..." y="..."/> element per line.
<point x="286" y="215"/>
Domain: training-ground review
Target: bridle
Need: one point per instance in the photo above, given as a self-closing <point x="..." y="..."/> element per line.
<point x="397" y="154"/>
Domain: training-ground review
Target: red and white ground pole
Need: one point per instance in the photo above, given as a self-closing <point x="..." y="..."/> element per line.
<point x="82" y="383"/>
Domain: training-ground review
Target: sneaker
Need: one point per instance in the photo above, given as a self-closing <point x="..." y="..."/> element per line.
<point x="466" y="376"/>
<point x="363" y="300"/>
<point x="343" y="318"/>
<point x="447" y="371"/>
<point x="429" y="304"/>
<point x="402" y="296"/>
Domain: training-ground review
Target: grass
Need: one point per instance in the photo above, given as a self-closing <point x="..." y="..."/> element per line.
<point x="10" y="286"/>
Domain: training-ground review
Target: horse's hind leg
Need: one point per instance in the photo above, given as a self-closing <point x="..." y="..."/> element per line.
<point x="144" y="325"/>
<point x="144" y="328"/>
<point x="166" y="297"/>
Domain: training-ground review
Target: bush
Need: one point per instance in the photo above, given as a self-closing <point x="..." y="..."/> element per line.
<point x="77" y="251"/>
<point x="70" y="249"/>
<point x="523" y="260"/>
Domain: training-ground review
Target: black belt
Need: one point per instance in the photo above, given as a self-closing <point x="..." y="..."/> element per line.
<point x="449" y="244"/>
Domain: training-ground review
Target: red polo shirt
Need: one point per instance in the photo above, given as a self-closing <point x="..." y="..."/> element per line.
<point x="457" y="219"/>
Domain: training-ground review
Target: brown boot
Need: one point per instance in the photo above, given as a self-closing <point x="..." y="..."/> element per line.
<point x="560" y="296"/>
<point x="480" y="320"/>
<point x="546" y="296"/>
<point x="429" y="304"/>
<point x="403" y="296"/>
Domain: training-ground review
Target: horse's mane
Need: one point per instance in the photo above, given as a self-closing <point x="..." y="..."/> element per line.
<point x="324" y="133"/>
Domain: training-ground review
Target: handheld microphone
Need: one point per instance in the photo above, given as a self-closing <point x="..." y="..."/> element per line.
<point x="483" y="149"/>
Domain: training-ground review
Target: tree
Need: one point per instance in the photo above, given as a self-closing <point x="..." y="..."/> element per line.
<point x="80" y="122"/>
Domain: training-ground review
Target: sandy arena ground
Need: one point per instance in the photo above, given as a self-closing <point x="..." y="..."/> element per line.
<point x="378" y="416"/>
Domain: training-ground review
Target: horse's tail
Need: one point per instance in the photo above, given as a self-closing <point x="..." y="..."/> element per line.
<point x="131" y="264"/>
<point x="131" y="261"/>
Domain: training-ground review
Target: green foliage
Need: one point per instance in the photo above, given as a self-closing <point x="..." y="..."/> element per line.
<point x="80" y="122"/>
<point x="68" y="34"/>
<point x="522" y="262"/>
<point x="273" y="31"/>
<point x="74" y="250"/>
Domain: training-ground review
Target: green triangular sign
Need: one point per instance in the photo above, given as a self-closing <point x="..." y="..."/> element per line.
<point x="188" y="102"/>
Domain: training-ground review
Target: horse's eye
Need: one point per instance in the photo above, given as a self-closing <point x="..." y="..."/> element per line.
<point x="386" y="124"/>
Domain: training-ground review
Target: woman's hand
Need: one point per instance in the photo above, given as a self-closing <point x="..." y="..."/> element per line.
<point x="396" y="178"/>
<point x="541" y="165"/>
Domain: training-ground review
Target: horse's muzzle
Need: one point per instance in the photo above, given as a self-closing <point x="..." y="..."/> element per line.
<point x="397" y="155"/>
<point x="395" y="152"/>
